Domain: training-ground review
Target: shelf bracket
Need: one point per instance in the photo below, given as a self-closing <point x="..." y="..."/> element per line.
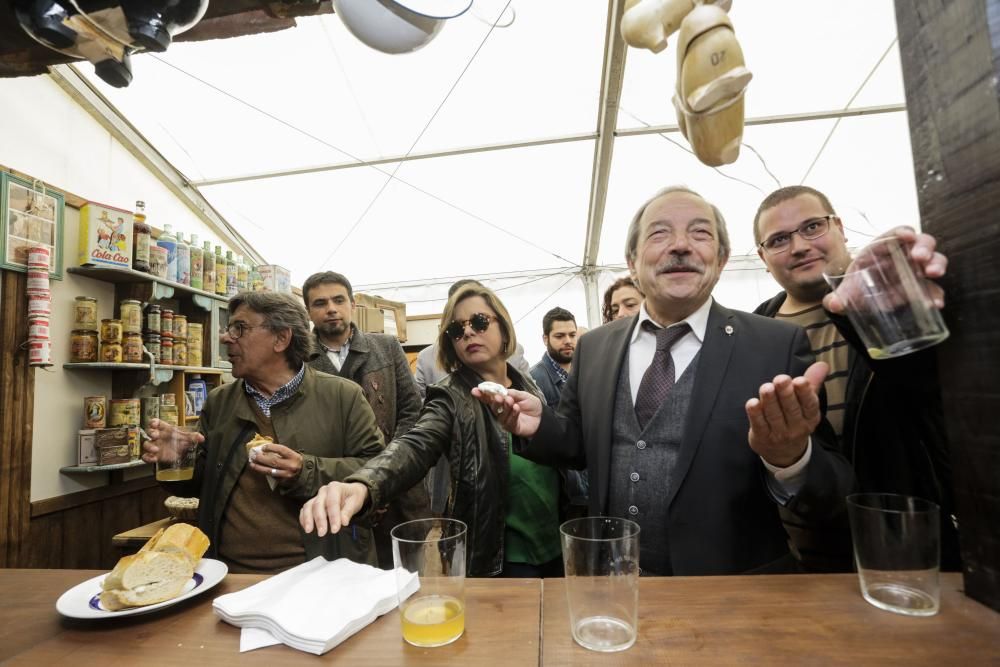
<point x="202" y="302"/>
<point x="161" y="291"/>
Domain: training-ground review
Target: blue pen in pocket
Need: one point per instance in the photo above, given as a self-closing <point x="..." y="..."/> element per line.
<point x="354" y="533"/>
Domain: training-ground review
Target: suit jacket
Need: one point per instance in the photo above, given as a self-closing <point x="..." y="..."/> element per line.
<point x="722" y="518"/>
<point x="377" y="363"/>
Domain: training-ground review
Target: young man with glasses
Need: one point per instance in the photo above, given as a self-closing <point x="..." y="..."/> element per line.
<point x="886" y="415"/>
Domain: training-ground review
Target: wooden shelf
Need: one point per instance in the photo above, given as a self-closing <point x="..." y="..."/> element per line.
<point x="105" y="468"/>
<point x="113" y="275"/>
<point x="100" y="365"/>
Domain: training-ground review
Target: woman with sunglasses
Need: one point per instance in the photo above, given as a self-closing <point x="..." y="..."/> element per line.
<point x="511" y="505"/>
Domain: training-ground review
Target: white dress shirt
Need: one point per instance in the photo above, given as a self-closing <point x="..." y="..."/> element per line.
<point x="784" y="483"/>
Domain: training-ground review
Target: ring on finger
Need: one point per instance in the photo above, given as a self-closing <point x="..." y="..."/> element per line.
<point x="274" y="472"/>
<point x="499" y="411"/>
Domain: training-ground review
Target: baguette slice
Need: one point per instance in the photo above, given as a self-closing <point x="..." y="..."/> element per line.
<point x="144" y="579"/>
<point x="257" y="441"/>
<point x="179" y="538"/>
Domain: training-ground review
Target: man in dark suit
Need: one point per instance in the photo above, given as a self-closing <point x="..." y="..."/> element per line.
<point x="377" y="363"/>
<point x="694" y="420"/>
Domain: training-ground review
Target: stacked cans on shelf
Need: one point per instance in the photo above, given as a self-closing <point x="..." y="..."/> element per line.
<point x="39" y="307"/>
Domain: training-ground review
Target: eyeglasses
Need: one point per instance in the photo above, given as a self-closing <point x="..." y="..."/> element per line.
<point x="479" y="322"/>
<point x="237" y="329"/>
<point x="810" y="229"/>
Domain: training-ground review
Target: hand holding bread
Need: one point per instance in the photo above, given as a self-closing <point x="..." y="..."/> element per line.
<point x="158" y="572"/>
<point x="269" y="458"/>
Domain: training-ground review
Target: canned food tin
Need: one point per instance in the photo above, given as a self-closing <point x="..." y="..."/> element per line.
<point x="38" y="280"/>
<point x="124" y="412"/>
<point x="180" y="327"/>
<point x="39" y="352"/>
<point x="111" y="353"/>
<point x="194" y="354"/>
<point x="40" y="304"/>
<point x="83" y="346"/>
<point x="131" y="316"/>
<point x="153" y="319"/>
<point x="95" y="412"/>
<point x="85" y="313"/>
<point x="38" y="258"/>
<point x="38" y="327"/>
<point x="134" y="443"/>
<point x="132" y="348"/>
<point x="111" y="331"/>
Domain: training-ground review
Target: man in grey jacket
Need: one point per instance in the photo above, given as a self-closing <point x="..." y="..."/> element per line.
<point x="375" y="362"/>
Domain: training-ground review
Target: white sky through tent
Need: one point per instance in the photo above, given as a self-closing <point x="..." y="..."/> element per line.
<point x="340" y="101"/>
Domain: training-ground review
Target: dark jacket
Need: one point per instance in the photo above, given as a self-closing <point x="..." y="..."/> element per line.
<point x="455" y="425"/>
<point x="721" y="517"/>
<point x="327" y="421"/>
<point x="377" y="364"/>
<point x="575" y="482"/>
<point x="894" y="434"/>
<point x="545" y="377"/>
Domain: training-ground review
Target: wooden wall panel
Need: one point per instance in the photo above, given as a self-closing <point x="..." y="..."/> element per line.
<point x="950" y="53"/>
<point x="17" y="388"/>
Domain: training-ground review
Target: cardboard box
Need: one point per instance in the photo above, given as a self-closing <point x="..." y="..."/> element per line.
<point x="86" y="453"/>
<point x="275" y="278"/>
<point x="105" y="236"/>
<point x="369" y="320"/>
<point x="393" y="320"/>
<point x="112" y="445"/>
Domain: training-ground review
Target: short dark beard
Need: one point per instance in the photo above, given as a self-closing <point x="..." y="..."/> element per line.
<point x="811" y="292"/>
<point x="559" y="357"/>
<point x="325" y="331"/>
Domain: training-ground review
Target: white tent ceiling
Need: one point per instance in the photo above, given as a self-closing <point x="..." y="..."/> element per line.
<point x="315" y="97"/>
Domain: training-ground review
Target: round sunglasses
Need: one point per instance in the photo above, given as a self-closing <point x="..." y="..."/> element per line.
<point x="479" y="322"/>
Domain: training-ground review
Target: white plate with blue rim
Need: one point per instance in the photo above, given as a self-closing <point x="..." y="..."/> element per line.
<point x="83" y="600"/>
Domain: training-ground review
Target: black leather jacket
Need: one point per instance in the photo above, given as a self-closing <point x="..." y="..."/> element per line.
<point x="456" y="425"/>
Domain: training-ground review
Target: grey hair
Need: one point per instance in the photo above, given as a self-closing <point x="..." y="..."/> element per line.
<point x="281" y="311"/>
<point x="632" y="237"/>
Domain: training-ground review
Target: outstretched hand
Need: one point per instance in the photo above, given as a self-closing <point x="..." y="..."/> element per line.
<point x="333" y="507"/>
<point x="784" y="415"/>
<point x="519" y="412"/>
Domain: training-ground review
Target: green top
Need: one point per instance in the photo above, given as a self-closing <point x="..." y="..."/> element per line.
<point x="532" y="533"/>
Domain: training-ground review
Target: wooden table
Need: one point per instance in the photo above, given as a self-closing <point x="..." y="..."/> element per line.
<point x="780" y="620"/>
<point x="135" y="538"/>
<point x="791" y="619"/>
<point x="503" y="618"/>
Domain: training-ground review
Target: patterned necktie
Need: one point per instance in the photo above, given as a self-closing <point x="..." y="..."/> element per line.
<point x="659" y="377"/>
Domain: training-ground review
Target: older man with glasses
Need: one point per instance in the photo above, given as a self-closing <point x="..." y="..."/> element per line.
<point x="886" y="415"/>
<point x="320" y="427"/>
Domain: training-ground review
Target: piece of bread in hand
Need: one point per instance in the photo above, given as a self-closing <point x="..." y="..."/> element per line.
<point x="145" y="578"/>
<point x="179" y="538"/>
<point x="158" y="572"/>
<point x="257" y="441"/>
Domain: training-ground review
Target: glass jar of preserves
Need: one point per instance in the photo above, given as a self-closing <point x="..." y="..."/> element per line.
<point x="153" y="345"/>
<point x="167" y="351"/>
<point x="180" y="352"/>
<point x="132" y="348"/>
<point x="111" y="352"/>
<point x="180" y="327"/>
<point x="153" y="319"/>
<point x="131" y="315"/>
<point x="85" y="313"/>
<point x="83" y="346"/>
<point x="166" y="322"/>
<point x="111" y="331"/>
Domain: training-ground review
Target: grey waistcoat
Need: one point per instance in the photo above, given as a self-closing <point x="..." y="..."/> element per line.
<point x="642" y="465"/>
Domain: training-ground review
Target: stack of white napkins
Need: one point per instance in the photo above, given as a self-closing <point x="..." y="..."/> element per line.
<point x="313" y="607"/>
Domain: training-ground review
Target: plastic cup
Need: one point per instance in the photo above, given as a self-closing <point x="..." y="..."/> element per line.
<point x="601" y="559"/>
<point x="887" y="301"/>
<point x="175" y="462"/>
<point x="897" y="550"/>
<point x="435" y="550"/>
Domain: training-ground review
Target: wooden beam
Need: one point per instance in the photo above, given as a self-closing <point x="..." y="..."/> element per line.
<point x="40" y="508"/>
<point x="950" y="53"/>
<point x="17" y="391"/>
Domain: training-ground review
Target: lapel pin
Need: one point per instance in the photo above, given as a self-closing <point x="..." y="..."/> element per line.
<point x="729" y="329"/>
